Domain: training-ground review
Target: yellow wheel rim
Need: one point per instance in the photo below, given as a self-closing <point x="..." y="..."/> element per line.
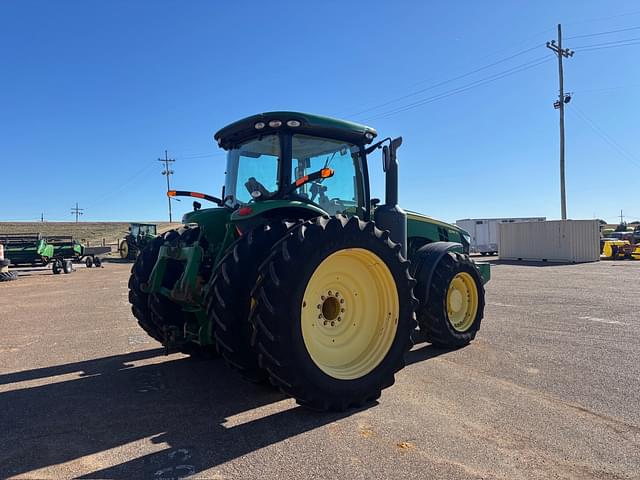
<point x="124" y="250"/>
<point x="349" y="313"/>
<point x="462" y="301"/>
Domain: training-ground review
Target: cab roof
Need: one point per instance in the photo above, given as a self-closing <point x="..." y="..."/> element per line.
<point x="309" y="124"/>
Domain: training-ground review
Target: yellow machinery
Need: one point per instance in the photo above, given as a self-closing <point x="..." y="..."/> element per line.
<point x="620" y="249"/>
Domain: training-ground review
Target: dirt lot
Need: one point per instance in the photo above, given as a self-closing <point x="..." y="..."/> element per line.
<point x="550" y="389"/>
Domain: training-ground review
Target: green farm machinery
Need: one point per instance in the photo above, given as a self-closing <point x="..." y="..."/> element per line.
<point x="139" y="235"/>
<point x="60" y="251"/>
<point x="298" y="276"/>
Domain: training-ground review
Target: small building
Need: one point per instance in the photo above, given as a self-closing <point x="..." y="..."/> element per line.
<point x="571" y="241"/>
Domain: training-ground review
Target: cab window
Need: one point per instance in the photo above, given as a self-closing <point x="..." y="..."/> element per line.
<point x="340" y="193"/>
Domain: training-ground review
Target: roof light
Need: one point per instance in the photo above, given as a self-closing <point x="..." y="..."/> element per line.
<point x="244" y="211"/>
<point x="368" y="136"/>
<point x="275" y="123"/>
<point x="259" y="125"/>
<point x="293" y="123"/>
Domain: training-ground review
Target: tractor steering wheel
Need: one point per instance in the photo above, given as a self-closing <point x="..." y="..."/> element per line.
<point x="252" y="185"/>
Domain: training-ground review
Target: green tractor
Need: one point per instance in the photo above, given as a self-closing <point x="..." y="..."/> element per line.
<point x="298" y="277"/>
<point x="139" y="235"/>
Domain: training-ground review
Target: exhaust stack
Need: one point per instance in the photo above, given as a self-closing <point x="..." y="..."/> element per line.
<point x="390" y="216"/>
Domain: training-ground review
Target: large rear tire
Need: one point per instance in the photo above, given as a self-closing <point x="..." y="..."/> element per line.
<point x="333" y="313"/>
<point x="127" y="250"/>
<point x="229" y="298"/>
<point x="451" y="315"/>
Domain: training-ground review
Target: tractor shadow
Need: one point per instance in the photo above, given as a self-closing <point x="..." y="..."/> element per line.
<point x="425" y="352"/>
<point x="28" y="271"/>
<point x="117" y="260"/>
<point x="202" y="411"/>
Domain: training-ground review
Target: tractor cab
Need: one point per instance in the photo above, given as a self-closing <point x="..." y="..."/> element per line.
<point x="287" y="156"/>
<point x="315" y="165"/>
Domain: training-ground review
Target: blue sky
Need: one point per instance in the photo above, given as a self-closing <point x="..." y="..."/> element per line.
<point x="92" y="93"/>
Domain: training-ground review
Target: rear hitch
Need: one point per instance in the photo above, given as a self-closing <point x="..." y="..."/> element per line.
<point x="170" y="337"/>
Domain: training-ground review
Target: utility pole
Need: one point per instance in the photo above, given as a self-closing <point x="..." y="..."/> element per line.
<point x="77" y="211"/>
<point x="621" y="217"/>
<point x="167" y="172"/>
<point x="562" y="99"/>
<point x="42" y="217"/>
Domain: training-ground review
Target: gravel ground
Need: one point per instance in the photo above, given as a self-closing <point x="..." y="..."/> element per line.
<point x="550" y="389"/>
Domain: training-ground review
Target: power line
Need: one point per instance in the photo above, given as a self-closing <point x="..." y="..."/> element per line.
<point x="613" y="42"/>
<point x="601" y="19"/>
<point x="605" y="136"/>
<point x="484" y="67"/>
<point x="444" y="82"/>
<point x="603" y="89"/>
<point x="582" y="50"/>
<point x="123" y="185"/>
<point x="464" y="88"/>
<point x="604" y="33"/>
<point x="204" y="155"/>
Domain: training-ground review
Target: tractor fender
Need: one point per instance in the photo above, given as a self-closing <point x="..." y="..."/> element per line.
<point x="425" y="261"/>
<point x="277" y="208"/>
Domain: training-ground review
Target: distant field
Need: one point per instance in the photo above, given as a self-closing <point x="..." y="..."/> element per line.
<point x="91" y="232"/>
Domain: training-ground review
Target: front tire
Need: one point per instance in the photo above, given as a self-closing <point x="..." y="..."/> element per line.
<point x="454" y="306"/>
<point x="333" y="314"/>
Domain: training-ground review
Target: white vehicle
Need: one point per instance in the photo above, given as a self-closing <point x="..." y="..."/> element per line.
<point x="484" y="232"/>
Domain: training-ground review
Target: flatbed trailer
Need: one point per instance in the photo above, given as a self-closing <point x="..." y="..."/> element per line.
<point x="90" y="255"/>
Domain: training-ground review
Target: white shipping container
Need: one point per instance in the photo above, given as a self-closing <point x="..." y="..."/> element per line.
<point x="553" y="241"/>
<point x="484" y="231"/>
